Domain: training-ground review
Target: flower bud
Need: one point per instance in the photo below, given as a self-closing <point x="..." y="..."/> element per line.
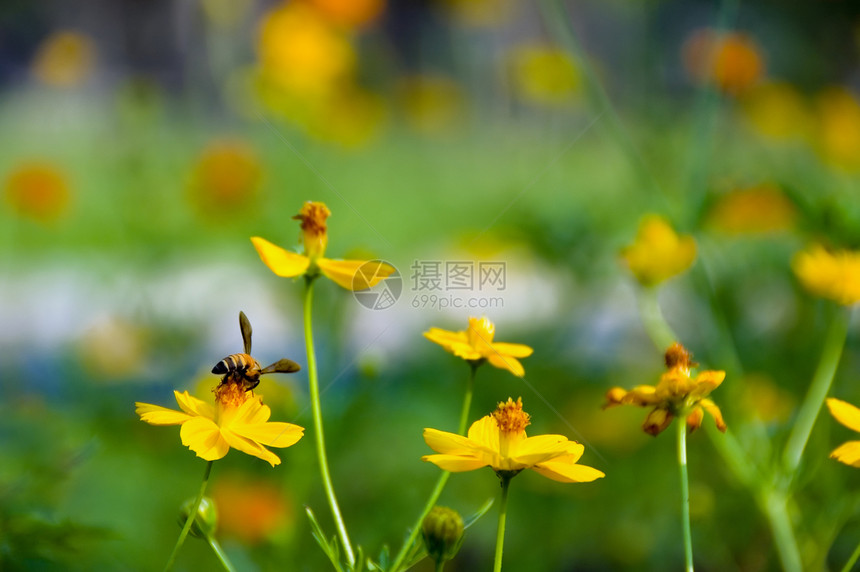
<point x="442" y="531"/>
<point x="206" y="522"/>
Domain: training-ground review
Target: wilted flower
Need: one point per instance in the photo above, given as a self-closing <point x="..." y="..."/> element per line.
<point x="37" y="190"/>
<point x="499" y="441"/>
<point x="476" y="344"/>
<point x="732" y="61"/>
<point x="64" y="59"/>
<point x="676" y="395"/>
<point x="658" y="253"/>
<point x="350" y="274"/>
<point x="238" y="419"/>
<point x="834" y="275"/>
<point x="848" y="415"/>
<point x="544" y="74"/>
<point x="758" y="209"/>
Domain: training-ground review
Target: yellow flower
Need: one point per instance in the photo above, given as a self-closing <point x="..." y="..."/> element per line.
<point x="833" y="275"/>
<point x="476" y="344"/>
<point x="225" y="179"/>
<point x="676" y="395"/>
<point x="499" y="441"/>
<point x="350" y="13"/>
<point x="838" y="128"/>
<point x="658" y="253"/>
<point x="37" y="190"/>
<point x="760" y="209"/>
<point x="350" y="274"/>
<point x="544" y="74"/>
<point x="848" y="415"/>
<point x="777" y="110"/>
<point x="238" y="420"/>
<point x="431" y="104"/>
<point x="65" y="59"/>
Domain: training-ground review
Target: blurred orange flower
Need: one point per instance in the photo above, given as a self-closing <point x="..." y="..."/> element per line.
<point x="834" y="275"/>
<point x="544" y="74"/>
<point x="225" y="179"/>
<point x="732" y="61"/>
<point x="251" y="510"/>
<point x="350" y="13"/>
<point x="838" y="128"/>
<point x="301" y="53"/>
<point x="777" y="110"/>
<point x="658" y="253"/>
<point x="64" y="59"/>
<point x="37" y="190"/>
<point x="758" y="209"/>
<point x="676" y="395"/>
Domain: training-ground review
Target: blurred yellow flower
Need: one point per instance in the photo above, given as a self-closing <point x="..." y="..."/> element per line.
<point x="64" y="59"/>
<point x="833" y="275"/>
<point x="499" y="441"/>
<point x="765" y="400"/>
<point x="777" y="110"/>
<point x="238" y="420"/>
<point x="350" y="13"/>
<point x="544" y="74"/>
<point x="658" y="253"/>
<point x="351" y="117"/>
<point x="251" y="509"/>
<point x="225" y="180"/>
<point x="848" y="415"/>
<point x="759" y="209"/>
<point x="838" y="128"/>
<point x="349" y="274"/>
<point x="37" y="190"/>
<point x="732" y="61"/>
<point x="431" y="104"/>
<point x="676" y="395"/>
<point x="301" y="53"/>
<point x="476" y="345"/>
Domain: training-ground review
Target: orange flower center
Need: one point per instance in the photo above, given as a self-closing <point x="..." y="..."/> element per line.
<point x="510" y="416"/>
<point x="313" y="216"/>
<point x="679" y="356"/>
<point x="230" y="393"/>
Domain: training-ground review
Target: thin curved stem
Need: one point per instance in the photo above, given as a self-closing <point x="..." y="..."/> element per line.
<point x="443" y="478"/>
<point x="219" y="552"/>
<point x="190" y="520"/>
<point x="685" y="494"/>
<point x="316" y="410"/>
<point x="500" y="532"/>
<point x="852" y="561"/>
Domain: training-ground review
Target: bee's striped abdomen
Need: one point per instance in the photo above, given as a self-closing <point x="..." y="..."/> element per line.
<point x="233" y="363"/>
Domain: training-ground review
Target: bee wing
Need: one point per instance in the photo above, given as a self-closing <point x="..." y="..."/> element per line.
<point x="245" y="326"/>
<point x="282" y="366"/>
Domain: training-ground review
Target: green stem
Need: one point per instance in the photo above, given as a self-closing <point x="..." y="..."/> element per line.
<point x="500" y="533"/>
<point x="191" y="516"/>
<point x="853" y="560"/>
<point x="685" y="493"/>
<point x="655" y="324"/>
<point x="818" y="390"/>
<point x="316" y="409"/>
<point x="443" y="478"/>
<point x="775" y="506"/>
<point x="440" y="564"/>
<point x="219" y="552"/>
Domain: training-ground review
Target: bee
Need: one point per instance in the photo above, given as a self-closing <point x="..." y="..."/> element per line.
<point x="244" y="369"/>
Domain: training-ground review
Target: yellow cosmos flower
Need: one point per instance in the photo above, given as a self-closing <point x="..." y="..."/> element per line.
<point x="658" y="253"/>
<point x="350" y="274"/>
<point x="833" y="275"/>
<point x="476" y="344"/>
<point x="238" y="420"/>
<point x="677" y="394"/>
<point x="848" y="415"/>
<point x="499" y="441"/>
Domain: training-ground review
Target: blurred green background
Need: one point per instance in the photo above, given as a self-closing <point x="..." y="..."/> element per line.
<point x="143" y="143"/>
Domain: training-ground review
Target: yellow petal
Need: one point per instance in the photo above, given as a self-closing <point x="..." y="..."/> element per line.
<point x="274" y="434"/>
<point x="280" y="261"/>
<point x="456" y="463"/>
<point x="513" y="350"/>
<point x="656" y="421"/>
<point x="848" y="453"/>
<point x="203" y="436"/>
<point x="355" y="274"/>
<point x="157" y="415"/>
<point x="250" y="447"/>
<point x="694" y="419"/>
<point x="540" y="448"/>
<point x="193" y="406"/>
<point x="707" y="381"/>
<point x="445" y="442"/>
<point x="484" y="433"/>
<point x="506" y="362"/>
<point x="568" y="472"/>
<point x="715" y="412"/>
<point x="845" y="413"/>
